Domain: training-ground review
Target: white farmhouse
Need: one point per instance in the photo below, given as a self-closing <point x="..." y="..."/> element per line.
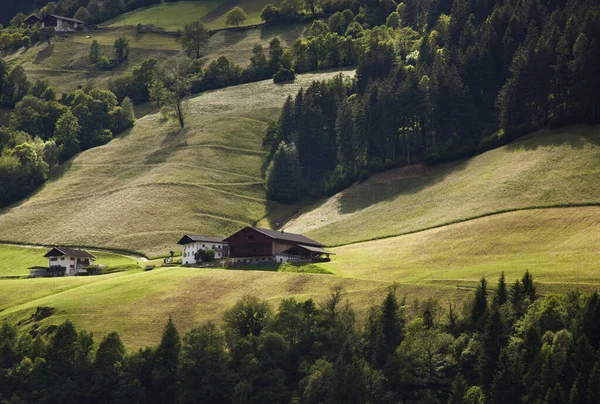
<point x="64" y="261"/>
<point x="194" y="243"/>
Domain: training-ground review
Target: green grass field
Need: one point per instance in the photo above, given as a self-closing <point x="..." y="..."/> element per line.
<point x="173" y="16"/>
<point x="548" y="168"/>
<point x="143" y="190"/>
<point x="170" y="16"/>
<point x="15" y="260"/>
<point x="560" y="246"/>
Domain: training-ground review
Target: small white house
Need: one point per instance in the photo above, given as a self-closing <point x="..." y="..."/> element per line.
<point x="64" y="261"/>
<point x="194" y="243"/>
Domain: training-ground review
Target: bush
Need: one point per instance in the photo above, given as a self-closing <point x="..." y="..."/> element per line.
<point x="205" y="255"/>
<point x="270" y="13"/>
<point x="284" y="75"/>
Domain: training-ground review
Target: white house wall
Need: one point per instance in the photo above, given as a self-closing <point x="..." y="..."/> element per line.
<point x="189" y="250"/>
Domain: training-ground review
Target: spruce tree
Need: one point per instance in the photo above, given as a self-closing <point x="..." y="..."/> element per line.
<point x="284" y="183"/>
<point x="458" y="390"/>
<point x="593" y="385"/>
<point x="528" y="286"/>
<point x="501" y="295"/>
<point x="577" y="394"/>
<point x="480" y="305"/>
<point x="166" y="363"/>
<point x="491" y="344"/>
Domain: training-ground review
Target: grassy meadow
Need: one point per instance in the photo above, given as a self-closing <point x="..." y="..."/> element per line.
<point x="548" y="168"/>
<point x="560" y="246"/>
<point x="144" y="189"/>
<point x="173" y="16"/>
<point x="170" y="16"/>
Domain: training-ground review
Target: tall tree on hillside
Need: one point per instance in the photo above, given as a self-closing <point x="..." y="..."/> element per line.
<point x="121" y="48"/>
<point x="174" y="79"/>
<point x="94" y="52"/>
<point x="236" y="16"/>
<point x="193" y="38"/>
<point x="66" y="135"/>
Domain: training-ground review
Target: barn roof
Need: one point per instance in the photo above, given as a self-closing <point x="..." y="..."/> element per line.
<point x="293" y="237"/>
<point x="192" y="238"/>
<point x="32" y="19"/>
<point x="60" y="17"/>
<point x="60" y="251"/>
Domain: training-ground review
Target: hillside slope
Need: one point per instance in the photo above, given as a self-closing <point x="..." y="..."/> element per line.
<point x="145" y="188"/>
<point x="560" y="246"/>
<point x="65" y="63"/>
<point x="548" y="168"/>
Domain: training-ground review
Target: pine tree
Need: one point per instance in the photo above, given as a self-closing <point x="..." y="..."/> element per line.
<point x="507" y="386"/>
<point x="501" y="295"/>
<point x="491" y="344"/>
<point x="577" y="396"/>
<point x="517" y="294"/>
<point x="528" y="286"/>
<point x="555" y="395"/>
<point x="284" y="182"/>
<point x="593" y="385"/>
<point x="344" y="129"/>
<point x="166" y="363"/>
<point x="458" y="390"/>
<point x="389" y="330"/>
<point x="287" y="121"/>
<point x="480" y="305"/>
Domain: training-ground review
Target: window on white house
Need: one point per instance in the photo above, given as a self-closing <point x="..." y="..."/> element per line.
<point x="62" y="258"/>
<point x="213" y="247"/>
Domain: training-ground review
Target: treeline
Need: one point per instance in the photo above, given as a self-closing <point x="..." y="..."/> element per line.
<point x="15" y="38"/>
<point x="45" y="131"/>
<point x="509" y="347"/>
<point x="481" y="74"/>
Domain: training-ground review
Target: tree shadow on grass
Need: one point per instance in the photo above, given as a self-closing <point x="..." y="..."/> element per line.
<point x="286" y="32"/>
<point x="43" y="54"/>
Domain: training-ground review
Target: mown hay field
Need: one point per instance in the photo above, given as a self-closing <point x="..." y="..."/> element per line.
<point x="548" y="168"/>
<point x="146" y="188"/>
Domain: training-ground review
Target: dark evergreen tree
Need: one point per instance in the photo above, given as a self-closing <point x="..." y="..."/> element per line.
<point x="480" y="305"/>
<point x="166" y="364"/>
<point x="284" y="183"/>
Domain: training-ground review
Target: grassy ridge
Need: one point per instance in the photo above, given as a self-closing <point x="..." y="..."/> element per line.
<point x="144" y="189"/>
<point x="549" y="168"/>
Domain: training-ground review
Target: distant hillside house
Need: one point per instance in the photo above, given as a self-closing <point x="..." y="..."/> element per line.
<point x="194" y="243"/>
<point x="59" y="23"/>
<point x="255" y="245"/>
<point x="66" y="262"/>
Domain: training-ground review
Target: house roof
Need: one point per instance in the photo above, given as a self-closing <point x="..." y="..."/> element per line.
<point x="32" y="18"/>
<point x="192" y="238"/>
<point x="60" y="17"/>
<point x="315" y="249"/>
<point x="60" y="251"/>
<point x="283" y="236"/>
